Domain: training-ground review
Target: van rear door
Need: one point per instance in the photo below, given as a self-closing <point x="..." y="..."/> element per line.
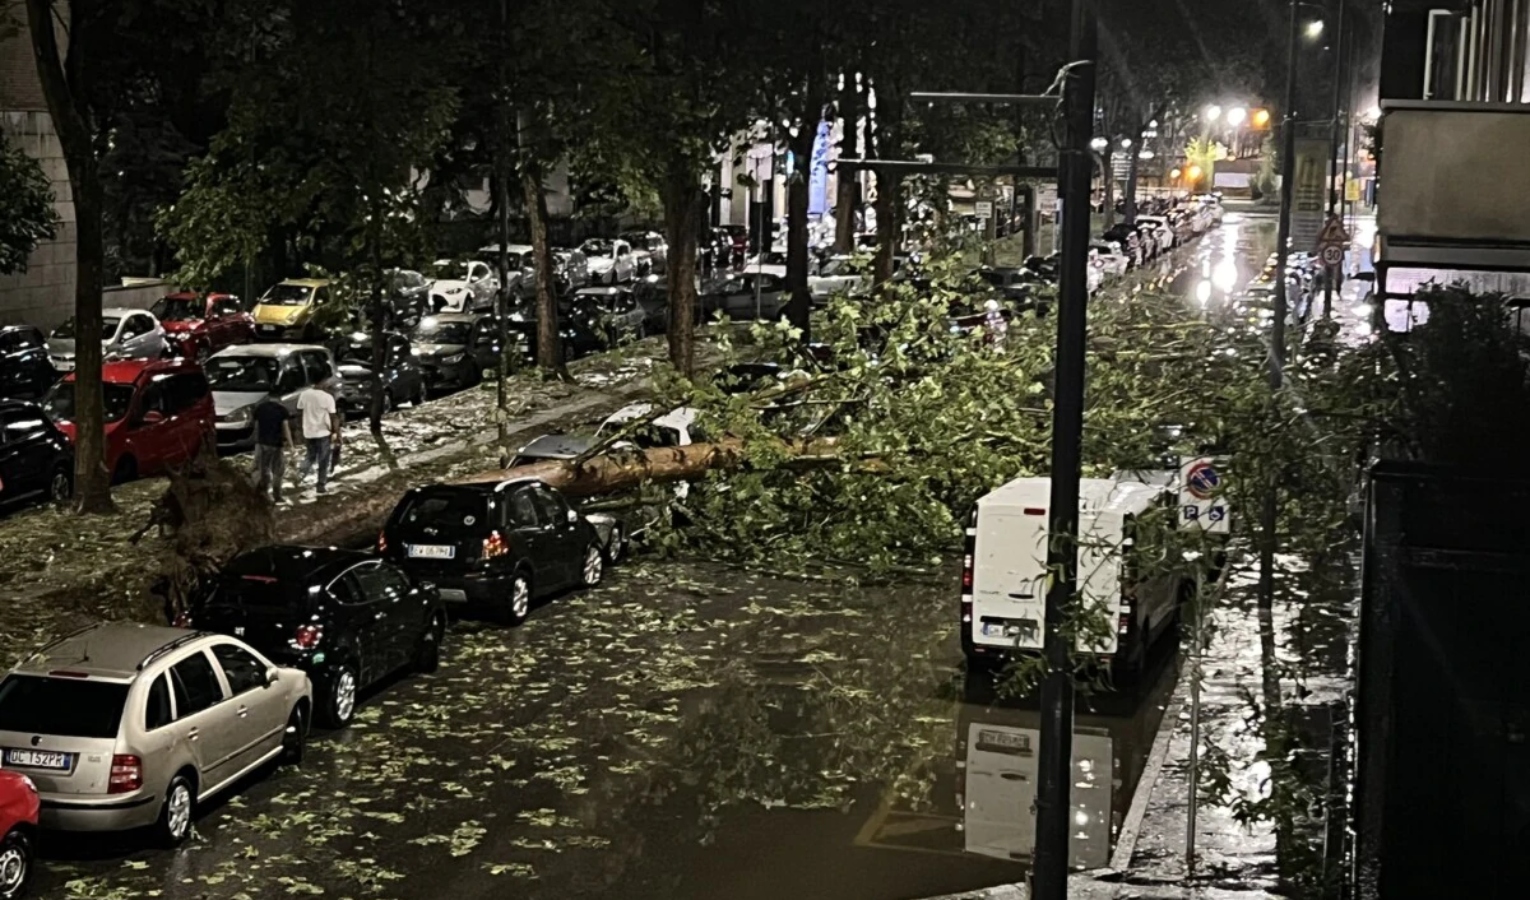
<point x="1009" y="579"/>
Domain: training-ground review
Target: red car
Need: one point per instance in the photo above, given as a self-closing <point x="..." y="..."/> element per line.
<point x="18" y="833"/>
<point x="159" y="413"/>
<point x="199" y="325"/>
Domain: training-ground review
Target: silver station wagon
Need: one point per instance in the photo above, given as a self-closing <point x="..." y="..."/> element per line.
<point x="123" y="726"/>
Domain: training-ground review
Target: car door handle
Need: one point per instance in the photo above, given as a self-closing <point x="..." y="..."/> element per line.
<point x="193" y="734"/>
<point x="243" y="712"/>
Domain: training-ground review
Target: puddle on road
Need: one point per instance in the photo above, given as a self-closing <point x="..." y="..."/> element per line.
<point x="948" y="816"/>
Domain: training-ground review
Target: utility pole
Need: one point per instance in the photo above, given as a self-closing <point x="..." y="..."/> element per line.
<point x="502" y="199"/>
<point x="1333" y="155"/>
<point x="1277" y="361"/>
<point x="1055" y="764"/>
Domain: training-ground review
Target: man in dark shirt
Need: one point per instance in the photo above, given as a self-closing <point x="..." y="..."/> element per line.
<point x="273" y="434"/>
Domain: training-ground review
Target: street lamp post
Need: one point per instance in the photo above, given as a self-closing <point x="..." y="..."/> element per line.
<point x="1333" y="154"/>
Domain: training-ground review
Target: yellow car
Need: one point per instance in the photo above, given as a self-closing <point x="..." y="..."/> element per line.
<point x="286" y="311"/>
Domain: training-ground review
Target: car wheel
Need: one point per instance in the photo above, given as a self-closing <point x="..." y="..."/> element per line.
<point x="594" y="567"/>
<point x="295" y="738"/>
<point x="418" y="400"/>
<point x="517" y="605"/>
<point x="340" y="697"/>
<point x="175" y="816"/>
<point x="126" y="470"/>
<point x="427" y="657"/>
<point x="16" y="854"/>
<point x="60" y="490"/>
<point x="616" y="545"/>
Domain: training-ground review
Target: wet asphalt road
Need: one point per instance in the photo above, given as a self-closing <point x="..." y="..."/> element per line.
<point x="685" y="731"/>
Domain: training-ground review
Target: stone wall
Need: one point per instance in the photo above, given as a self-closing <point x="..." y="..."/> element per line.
<point x="44" y="293"/>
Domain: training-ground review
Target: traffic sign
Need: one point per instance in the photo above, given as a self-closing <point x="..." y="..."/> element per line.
<point x="1333" y="255"/>
<point x="1333" y="233"/>
<point x="985" y="209"/>
<point x="1202" y="480"/>
<point x="1202" y="505"/>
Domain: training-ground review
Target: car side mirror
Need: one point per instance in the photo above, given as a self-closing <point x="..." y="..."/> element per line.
<point x="151" y="417"/>
<point x="273" y="675"/>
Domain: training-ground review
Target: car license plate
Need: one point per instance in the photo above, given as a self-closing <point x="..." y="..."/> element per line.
<point x="432" y="551"/>
<point x="267" y="329"/>
<point x="1004" y="742"/>
<point x="36" y="759"/>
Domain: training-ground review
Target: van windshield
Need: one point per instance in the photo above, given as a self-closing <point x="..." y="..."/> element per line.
<point x="67" y="707"/>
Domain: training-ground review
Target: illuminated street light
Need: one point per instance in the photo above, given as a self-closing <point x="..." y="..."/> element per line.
<point x="1193" y="173"/>
<point x="1126" y="143"/>
<point x="1174" y="174"/>
<point x="1237" y="116"/>
<point x="1314" y="28"/>
<point x="1213" y="112"/>
<point x="1099" y="143"/>
<point x="1261" y="118"/>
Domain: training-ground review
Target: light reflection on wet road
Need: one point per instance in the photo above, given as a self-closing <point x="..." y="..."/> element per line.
<point x="683" y="732"/>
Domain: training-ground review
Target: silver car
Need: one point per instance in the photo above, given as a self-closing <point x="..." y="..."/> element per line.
<point x="125" y="334"/>
<point x="124" y="725"/>
<point x="243" y="376"/>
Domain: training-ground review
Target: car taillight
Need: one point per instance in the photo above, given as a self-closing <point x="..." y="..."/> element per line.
<point x="495" y="545"/>
<point x="967" y="572"/>
<point x="127" y="775"/>
<point x="382" y="542"/>
<point x="307" y="637"/>
<point x="182" y="620"/>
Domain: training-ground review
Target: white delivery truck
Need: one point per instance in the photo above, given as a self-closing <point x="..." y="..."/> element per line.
<point x="1004" y="577"/>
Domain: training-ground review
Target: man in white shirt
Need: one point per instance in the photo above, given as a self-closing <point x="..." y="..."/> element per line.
<point x="321" y="430"/>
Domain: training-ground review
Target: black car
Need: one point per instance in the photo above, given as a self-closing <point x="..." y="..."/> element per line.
<point x="610" y="314"/>
<point x="36" y="459"/>
<point x="407" y="298"/>
<point x="576" y="333"/>
<point x="25" y="370"/>
<point x="346" y="618"/>
<point x="498" y="547"/>
<point x="453" y="349"/>
<point x="402" y="380"/>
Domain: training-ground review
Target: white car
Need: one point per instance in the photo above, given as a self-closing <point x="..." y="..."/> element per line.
<point x="676" y="428"/>
<point x="610" y="262"/>
<point x="463" y="286"/>
<point x="1112" y="260"/>
<point x="125" y="334"/>
<point x="1162" y="231"/>
<point x="521" y="279"/>
<point x="840" y="274"/>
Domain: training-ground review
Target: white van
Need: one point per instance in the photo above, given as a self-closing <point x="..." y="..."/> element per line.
<point x="1004" y="577"/>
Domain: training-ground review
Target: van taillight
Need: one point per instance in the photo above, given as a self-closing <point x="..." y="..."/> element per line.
<point x="127" y="775"/>
<point x="967" y="572"/>
<point x="495" y="545"/>
<point x="307" y="637"/>
<point x="1126" y="623"/>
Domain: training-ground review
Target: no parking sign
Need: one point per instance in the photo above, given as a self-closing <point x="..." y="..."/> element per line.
<point x="1201" y="501"/>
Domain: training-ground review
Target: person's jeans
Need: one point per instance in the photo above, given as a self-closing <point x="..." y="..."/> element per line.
<point x="270" y="462"/>
<point x="318" y="454"/>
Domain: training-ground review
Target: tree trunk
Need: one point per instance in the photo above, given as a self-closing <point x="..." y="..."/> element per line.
<point x="1129" y="207"/>
<point x="889" y="224"/>
<point x="549" y="343"/>
<point x="1109" y="176"/>
<point x="848" y="189"/>
<point x="380" y="315"/>
<point x="799" y="309"/>
<point x="92" y="480"/>
<point x="682" y="202"/>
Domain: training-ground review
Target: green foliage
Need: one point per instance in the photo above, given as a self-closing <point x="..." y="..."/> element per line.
<point x="27" y="218"/>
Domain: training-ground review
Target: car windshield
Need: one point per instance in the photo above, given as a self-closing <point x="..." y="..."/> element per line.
<point x="59" y="401"/>
<point x="357" y="352"/>
<point x="66" y="331"/>
<point x="178" y="309"/>
<point x="287" y="295"/>
<point x="638" y="241"/>
<point x="431" y="331"/>
<point x="65" y="707"/>
<point x="448" y="510"/>
<point x="596" y="248"/>
<point x="446" y="270"/>
<point x="243" y="373"/>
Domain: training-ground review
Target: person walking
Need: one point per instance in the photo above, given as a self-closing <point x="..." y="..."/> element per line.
<point x="321" y="431"/>
<point x="273" y="435"/>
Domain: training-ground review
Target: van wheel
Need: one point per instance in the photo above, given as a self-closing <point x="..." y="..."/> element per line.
<point x="339" y="703"/>
<point x="175" y="816"/>
<point x="16" y="855"/>
<point x="295" y="739"/>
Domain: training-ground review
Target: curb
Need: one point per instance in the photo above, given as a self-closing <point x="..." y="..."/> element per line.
<point x="1131" y="826"/>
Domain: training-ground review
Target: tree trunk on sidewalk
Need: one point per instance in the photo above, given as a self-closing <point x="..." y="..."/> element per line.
<point x="549" y="343"/>
<point x="847" y="192"/>
<point x="1108" y="176"/>
<point x="380" y="315"/>
<point x="889" y="207"/>
<point x="681" y="197"/>
<point x="799" y="308"/>
<point x="61" y="83"/>
<point x="1129" y="209"/>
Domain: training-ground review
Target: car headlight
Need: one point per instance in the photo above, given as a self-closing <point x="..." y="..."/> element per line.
<point x="240" y="416"/>
<point x="453" y="359"/>
<point x="455" y="290"/>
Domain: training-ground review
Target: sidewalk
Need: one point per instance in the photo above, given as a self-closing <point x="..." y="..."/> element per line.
<point x="1235" y="862"/>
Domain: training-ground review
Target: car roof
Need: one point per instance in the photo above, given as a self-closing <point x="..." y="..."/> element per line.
<point x="129" y="371"/>
<point x="120" y="311"/>
<point x="305" y="282"/>
<point x="556" y="446"/>
<point x="193" y="295"/>
<point x="680" y="417"/>
<point x="112" y="650"/>
<point x="294" y="563"/>
<point x="512" y="248"/>
<point x="602" y="291"/>
<point x="268" y="351"/>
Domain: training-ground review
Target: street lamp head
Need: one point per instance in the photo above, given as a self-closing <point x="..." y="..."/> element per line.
<point x="1126" y="143"/>
<point x="1314" y="28"/>
<point x="1099" y="143"/>
<point x="1261" y="118"/>
<point x="1236" y="116"/>
<point x="1213" y="113"/>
